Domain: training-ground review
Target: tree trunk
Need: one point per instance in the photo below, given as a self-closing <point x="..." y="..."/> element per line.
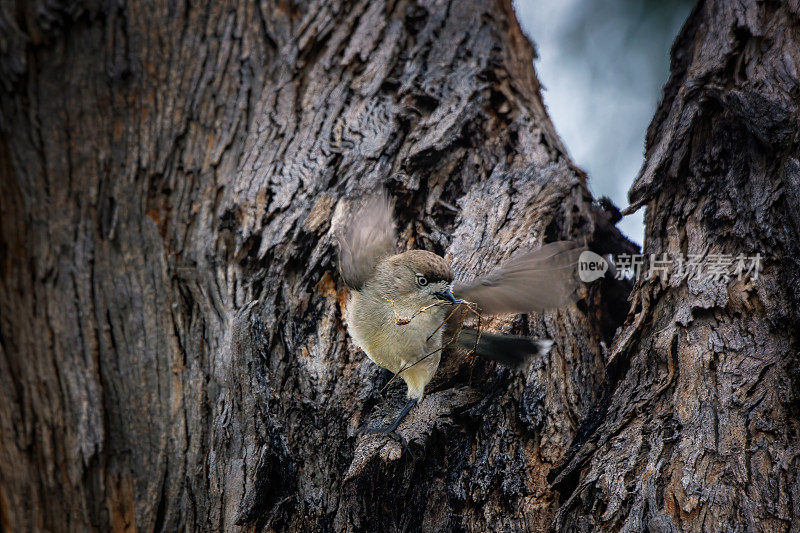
<point x="172" y="352"/>
<point x="701" y="431"/>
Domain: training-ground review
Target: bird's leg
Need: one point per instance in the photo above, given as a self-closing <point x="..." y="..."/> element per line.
<point x="391" y="427"/>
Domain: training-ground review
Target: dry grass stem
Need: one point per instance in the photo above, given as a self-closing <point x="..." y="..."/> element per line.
<point x="462" y="305"/>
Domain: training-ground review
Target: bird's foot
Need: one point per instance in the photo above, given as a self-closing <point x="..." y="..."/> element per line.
<point x="386" y="430"/>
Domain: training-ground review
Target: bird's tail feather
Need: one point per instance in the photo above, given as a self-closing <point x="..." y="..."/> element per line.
<point x="510" y="350"/>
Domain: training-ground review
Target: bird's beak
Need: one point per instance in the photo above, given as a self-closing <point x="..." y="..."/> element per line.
<point x="446" y="295"/>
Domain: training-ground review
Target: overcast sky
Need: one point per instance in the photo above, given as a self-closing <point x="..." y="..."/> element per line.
<point x="603" y="64"/>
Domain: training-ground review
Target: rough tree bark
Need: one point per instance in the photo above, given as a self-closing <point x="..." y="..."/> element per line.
<point x="701" y="431"/>
<point x="172" y="353"/>
<point x="172" y="349"/>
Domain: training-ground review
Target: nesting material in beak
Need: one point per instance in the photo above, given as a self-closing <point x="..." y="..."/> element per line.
<point x="446" y="295"/>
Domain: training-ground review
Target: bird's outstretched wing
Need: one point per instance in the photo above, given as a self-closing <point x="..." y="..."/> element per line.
<point x="366" y="238"/>
<point x="534" y="281"/>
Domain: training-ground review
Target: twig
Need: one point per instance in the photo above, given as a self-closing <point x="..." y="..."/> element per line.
<point x="464" y="305"/>
<point x="456" y="308"/>
<point x="404" y="320"/>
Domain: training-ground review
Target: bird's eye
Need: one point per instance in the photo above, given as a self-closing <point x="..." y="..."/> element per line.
<point x="421" y="280"/>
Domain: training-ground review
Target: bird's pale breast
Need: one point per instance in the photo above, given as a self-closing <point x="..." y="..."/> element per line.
<point x="372" y="325"/>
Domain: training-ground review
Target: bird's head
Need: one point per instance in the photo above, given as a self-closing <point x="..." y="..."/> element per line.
<point x="415" y="279"/>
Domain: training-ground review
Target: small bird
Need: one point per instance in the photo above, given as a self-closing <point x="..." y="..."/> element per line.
<point x="399" y="304"/>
